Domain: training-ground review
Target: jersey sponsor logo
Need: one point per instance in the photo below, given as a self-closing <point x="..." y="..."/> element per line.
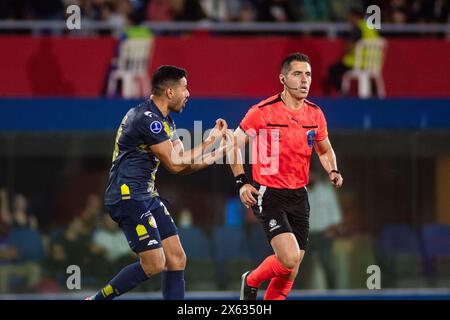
<point x="156" y="127"/>
<point x="149" y="114"/>
<point x="311" y="137"/>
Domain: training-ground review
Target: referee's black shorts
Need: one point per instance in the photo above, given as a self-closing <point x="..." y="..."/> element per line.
<point x="283" y="210"/>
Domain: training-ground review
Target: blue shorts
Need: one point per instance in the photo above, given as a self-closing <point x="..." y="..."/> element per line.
<point x="145" y="223"/>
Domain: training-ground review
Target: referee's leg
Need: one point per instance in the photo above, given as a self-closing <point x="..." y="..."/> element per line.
<point x="280" y="268"/>
<point x="287" y="251"/>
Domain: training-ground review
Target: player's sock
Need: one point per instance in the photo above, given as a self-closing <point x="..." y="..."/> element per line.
<point x="173" y="285"/>
<point x="278" y="288"/>
<point x="128" y="278"/>
<point x="269" y="268"/>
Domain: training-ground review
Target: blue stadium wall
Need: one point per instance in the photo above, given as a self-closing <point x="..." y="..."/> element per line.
<point x="63" y="114"/>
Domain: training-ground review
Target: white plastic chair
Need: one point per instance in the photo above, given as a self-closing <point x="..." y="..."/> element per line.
<point x="369" y="59"/>
<point x="132" y="69"/>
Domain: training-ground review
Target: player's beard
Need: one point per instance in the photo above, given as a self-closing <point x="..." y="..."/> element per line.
<point x="178" y="106"/>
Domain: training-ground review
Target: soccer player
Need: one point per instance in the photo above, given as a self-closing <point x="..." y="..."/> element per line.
<point x="283" y="130"/>
<point x="146" y="137"/>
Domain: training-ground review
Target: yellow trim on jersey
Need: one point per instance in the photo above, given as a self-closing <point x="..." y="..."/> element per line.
<point x="167" y="129"/>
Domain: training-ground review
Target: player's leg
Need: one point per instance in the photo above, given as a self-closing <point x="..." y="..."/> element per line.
<point x="173" y="286"/>
<point x="151" y="262"/>
<point x="144" y="239"/>
<point x="173" y="276"/>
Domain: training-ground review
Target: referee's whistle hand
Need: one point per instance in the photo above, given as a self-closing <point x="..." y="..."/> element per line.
<point x="247" y="194"/>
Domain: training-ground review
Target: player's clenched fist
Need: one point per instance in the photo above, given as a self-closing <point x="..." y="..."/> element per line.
<point x="218" y="132"/>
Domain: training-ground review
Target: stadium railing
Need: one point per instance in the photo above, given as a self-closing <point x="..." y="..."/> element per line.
<point x="331" y="30"/>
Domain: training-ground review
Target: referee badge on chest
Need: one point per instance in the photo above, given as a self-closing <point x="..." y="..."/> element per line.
<point x="311" y="137"/>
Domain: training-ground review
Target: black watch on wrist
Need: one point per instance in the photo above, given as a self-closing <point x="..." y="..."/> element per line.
<point x="336" y="171"/>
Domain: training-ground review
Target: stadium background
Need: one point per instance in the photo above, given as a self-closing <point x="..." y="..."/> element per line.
<point x="57" y="132"/>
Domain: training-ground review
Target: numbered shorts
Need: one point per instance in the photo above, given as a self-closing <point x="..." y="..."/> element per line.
<point x="283" y="210"/>
<point x="145" y="223"/>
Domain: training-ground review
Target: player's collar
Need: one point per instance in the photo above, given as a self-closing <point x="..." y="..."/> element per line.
<point x="154" y="108"/>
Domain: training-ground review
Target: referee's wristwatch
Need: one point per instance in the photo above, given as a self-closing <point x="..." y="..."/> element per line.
<point x="335" y="171"/>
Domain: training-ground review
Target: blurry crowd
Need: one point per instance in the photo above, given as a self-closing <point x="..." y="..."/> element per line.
<point x="137" y="11"/>
<point x="32" y="260"/>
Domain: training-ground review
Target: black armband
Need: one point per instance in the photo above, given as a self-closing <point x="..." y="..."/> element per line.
<point x="241" y="180"/>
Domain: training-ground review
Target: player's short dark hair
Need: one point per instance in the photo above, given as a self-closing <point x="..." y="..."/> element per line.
<point x="286" y="64"/>
<point x="164" y="75"/>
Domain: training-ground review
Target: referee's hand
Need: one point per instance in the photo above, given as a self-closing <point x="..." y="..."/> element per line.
<point x="336" y="179"/>
<point x="247" y="193"/>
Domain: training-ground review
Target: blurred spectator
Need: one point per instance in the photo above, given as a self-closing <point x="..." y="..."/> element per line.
<point x="75" y="247"/>
<point x="5" y="215"/>
<point x="117" y="13"/>
<point x="318" y="10"/>
<point x="23" y="248"/>
<point x="111" y="240"/>
<point x="247" y="12"/>
<point x="278" y="11"/>
<point x="325" y="223"/>
<point x="91" y="214"/>
<point x="160" y="10"/>
<point x="218" y="10"/>
<point x="185" y="219"/>
<point x="359" y="31"/>
<point x="188" y="10"/>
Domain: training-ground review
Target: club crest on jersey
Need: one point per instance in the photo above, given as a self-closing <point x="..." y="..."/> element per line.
<point x="156" y="127"/>
<point x="311" y="137"/>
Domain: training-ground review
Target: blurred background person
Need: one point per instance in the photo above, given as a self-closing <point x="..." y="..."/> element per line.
<point x="359" y="31"/>
<point x="23" y="248"/>
<point x="325" y="224"/>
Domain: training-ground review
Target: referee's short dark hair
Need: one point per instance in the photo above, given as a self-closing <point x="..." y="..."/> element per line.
<point x="164" y="75"/>
<point x="286" y="64"/>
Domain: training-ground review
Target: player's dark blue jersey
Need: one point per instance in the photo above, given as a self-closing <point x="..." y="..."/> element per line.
<point x="134" y="166"/>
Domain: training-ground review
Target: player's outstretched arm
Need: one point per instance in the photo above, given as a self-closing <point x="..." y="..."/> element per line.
<point x="247" y="192"/>
<point x="177" y="161"/>
<point x="328" y="160"/>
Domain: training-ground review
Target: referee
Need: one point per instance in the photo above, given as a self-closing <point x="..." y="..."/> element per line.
<point x="283" y="130"/>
